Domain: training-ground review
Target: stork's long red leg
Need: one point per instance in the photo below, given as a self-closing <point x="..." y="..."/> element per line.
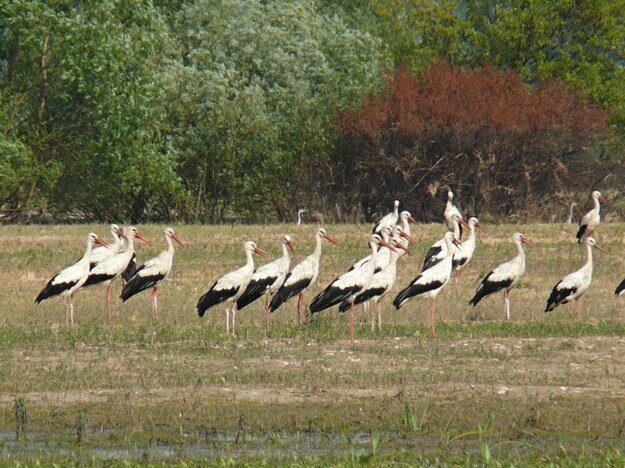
<point x="266" y="315"/>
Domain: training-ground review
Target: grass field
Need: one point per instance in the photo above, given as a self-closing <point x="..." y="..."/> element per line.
<point x="539" y="389"/>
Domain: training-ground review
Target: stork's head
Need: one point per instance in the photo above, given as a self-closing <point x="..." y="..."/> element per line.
<point x="591" y="242"/>
<point x="375" y="240"/>
<point x="286" y="240"/>
<point x="250" y="246"/>
<point x="474" y="223"/>
<point x="597" y="195"/>
<point x="169" y="232"/>
<point x="518" y="237"/>
<point x="321" y="232"/>
<point x="133" y="232"/>
<point x="396" y="204"/>
<point x="450" y="239"/>
<point x="406" y="216"/>
<point x="93" y="238"/>
<point x="450" y="195"/>
<point x="398" y="232"/>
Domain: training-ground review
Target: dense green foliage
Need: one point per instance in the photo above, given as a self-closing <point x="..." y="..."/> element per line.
<point x="213" y="110"/>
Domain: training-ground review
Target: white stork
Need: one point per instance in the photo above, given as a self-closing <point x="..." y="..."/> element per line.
<point x="406" y="219"/>
<point x="267" y="279"/>
<point x="153" y="272"/>
<point x="450" y="211"/>
<point x="230" y="287"/>
<point x="463" y="255"/>
<point x="302" y="277"/>
<point x="430" y="282"/>
<point x="101" y="253"/>
<point x="71" y="279"/>
<point x="346" y="286"/>
<point x="438" y="252"/>
<point x="388" y="220"/>
<point x="383" y="256"/>
<point x="300" y="212"/>
<point x="571" y="208"/>
<point x="573" y="285"/>
<point x="107" y="270"/>
<point x="505" y="276"/>
<point x="591" y="220"/>
<point x="381" y="283"/>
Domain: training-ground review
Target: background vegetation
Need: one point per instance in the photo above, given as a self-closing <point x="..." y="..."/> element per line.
<point x="226" y="110"/>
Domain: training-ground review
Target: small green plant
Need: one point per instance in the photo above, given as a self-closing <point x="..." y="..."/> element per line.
<point x="413" y="421"/>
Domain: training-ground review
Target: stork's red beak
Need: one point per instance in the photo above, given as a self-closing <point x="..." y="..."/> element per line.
<point x="260" y="251"/>
<point x="463" y="222"/>
<point x="331" y="239"/>
<point x="120" y="233"/>
<point x="601" y="249"/>
<point x="290" y="245"/>
<point x="407" y="237"/>
<point x="387" y="245"/>
<point x="457" y="243"/>
<point x="177" y="239"/>
<point x="412" y="220"/>
<point x="138" y="235"/>
<point x="603" y="200"/>
<point x="100" y="241"/>
<point x="525" y="241"/>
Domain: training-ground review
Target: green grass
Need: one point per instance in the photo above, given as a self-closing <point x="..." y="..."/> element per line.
<point x="539" y="389"/>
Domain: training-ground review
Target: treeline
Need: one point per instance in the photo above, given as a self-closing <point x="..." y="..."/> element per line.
<point x="239" y="110"/>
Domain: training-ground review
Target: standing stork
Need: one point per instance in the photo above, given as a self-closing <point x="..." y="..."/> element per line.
<point x="302" y="277"/>
<point x="452" y="210"/>
<point x="430" y="282"/>
<point x="70" y="280"/>
<point x="267" y="279"/>
<point x="591" y="220"/>
<point x="573" y="285"/>
<point x="438" y="252"/>
<point x="571" y="208"/>
<point x="153" y="272"/>
<point x="230" y="287"/>
<point x="465" y="253"/>
<point x="107" y="270"/>
<point x="388" y="220"/>
<point x="381" y="283"/>
<point x="505" y="276"/>
<point x="101" y="253"/>
<point x="346" y="286"/>
<point x="300" y="212"/>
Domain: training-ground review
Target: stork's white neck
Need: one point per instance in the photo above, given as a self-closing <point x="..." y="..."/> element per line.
<point x="317" y="252"/>
<point x="88" y="250"/>
<point x="588" y="257"/>
<point x="285" y="250"/>
<point x="250" y="259"/>
<point x="170" y="245"/>
<point x="456" y="228"/>
<point x="596" y="204"/>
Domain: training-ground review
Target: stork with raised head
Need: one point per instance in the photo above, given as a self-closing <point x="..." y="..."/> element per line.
<point x="230" y="287"/>
<point x="267" y="279"/>
<point x="431" y="281"/>
<point x="70" y="280"/>
<point x="302" y="277"/>
<point x="571" y="208"/>
<point x="505" y="276"/>
<point x="452" y="210"/>
<point x="107" y="270"/>
<point x="381" y="283"/>
<point x="101" y="253"/>
<point x="438" y="252"/>
<point x="573" y="285"/>
<point x="463" y="255"/>
<point x="591" y="220"/>
<point x="388" y="220"/>
<point x="153" y="272"/>
<point x="300" y="212"/>
<point x="346" y="286"/>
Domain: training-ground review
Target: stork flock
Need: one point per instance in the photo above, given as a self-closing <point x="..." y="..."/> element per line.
<point x="367" y="281"/>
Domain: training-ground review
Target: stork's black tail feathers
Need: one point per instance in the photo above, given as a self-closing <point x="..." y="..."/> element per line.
<point x="620" y="288"/>
<point x="254" y="290"/>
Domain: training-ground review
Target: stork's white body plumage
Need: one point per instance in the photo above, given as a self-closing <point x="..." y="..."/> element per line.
<point x="504" y="277"/>
<point x="267" y="279"/>
<point x="431" y="281"/>
<point x="451" y="210"/>
<point x="68" y="281"/>
<point x="230" y="287"/>
<point x="464" y="253"/>
<point x="347" y="285"/>
<point x="592" y="219"/>
<point x="101" y="253"/>
<point x="153" y="272"/>
<point x="301" y="278"/>
<point x="438" y="251"/>
<point x="107" y="270"/>
<point x="573" y="285"/>
<point x="388" y="220"/>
